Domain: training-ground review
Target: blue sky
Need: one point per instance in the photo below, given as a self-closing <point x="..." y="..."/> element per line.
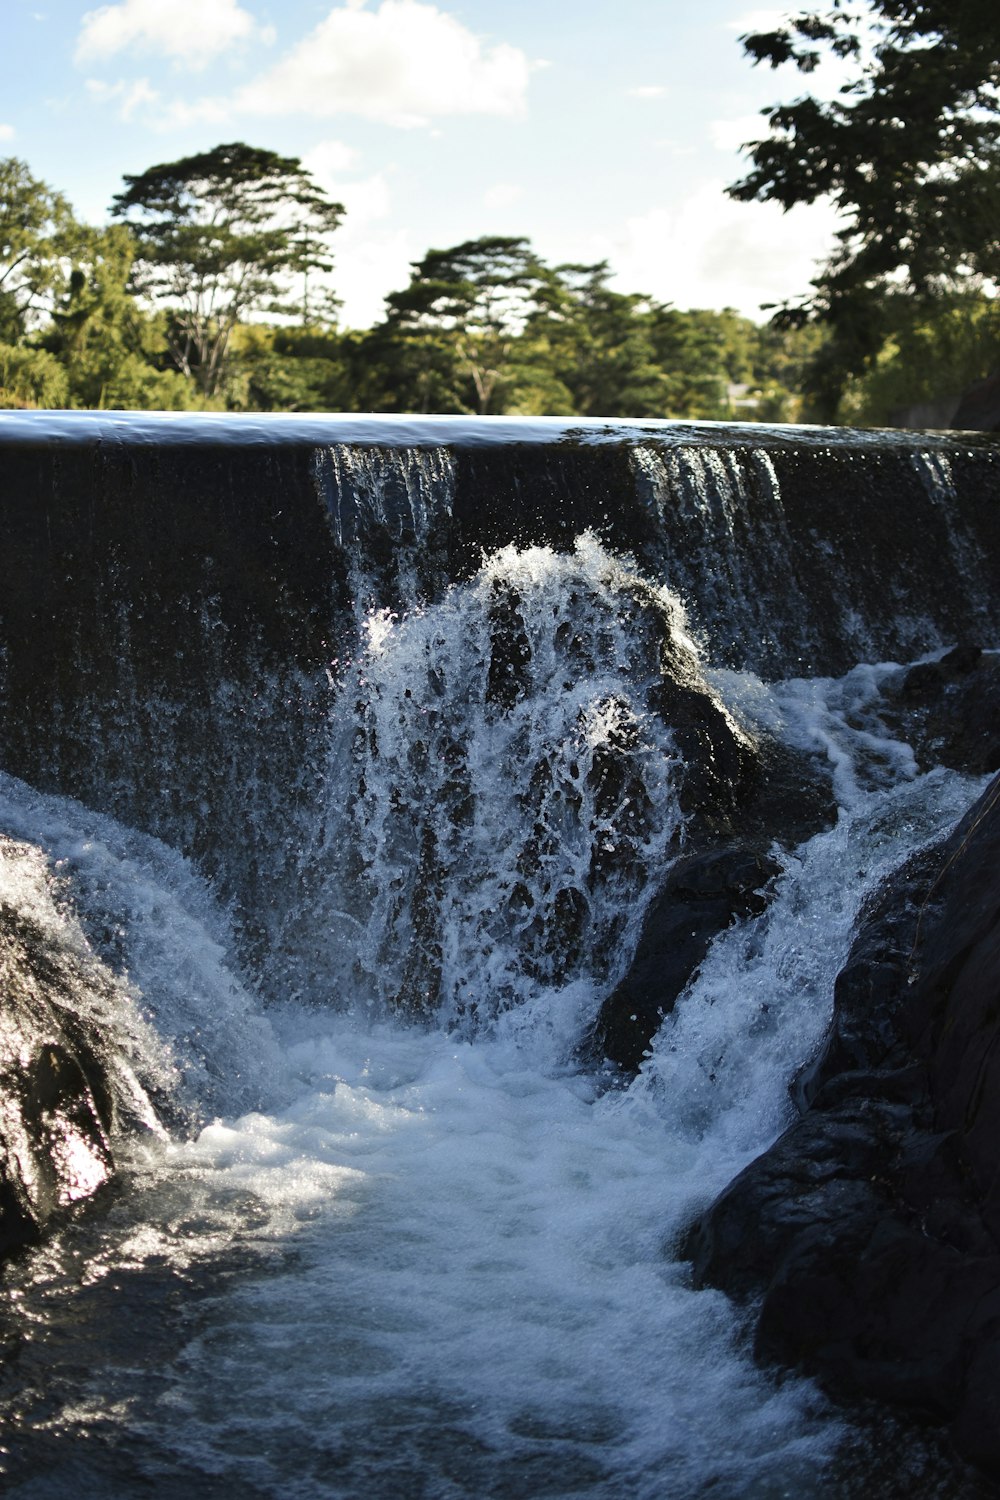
<point x="599" y="130"/>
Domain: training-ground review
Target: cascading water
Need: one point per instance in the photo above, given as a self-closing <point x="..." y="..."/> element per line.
<point x="501" y="789"/>
<point x="400" y="1236"/>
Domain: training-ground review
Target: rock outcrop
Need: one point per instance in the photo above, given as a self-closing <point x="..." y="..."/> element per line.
<point x="766" y="796"/>
<point x="871" y="1230"/>
<point x="700" y="896"/>
<point x="65" y="1086"/>
<point x="948" y="710"/>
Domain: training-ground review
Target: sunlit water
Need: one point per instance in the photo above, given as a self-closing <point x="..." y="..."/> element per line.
<point x="398" y="1242"/>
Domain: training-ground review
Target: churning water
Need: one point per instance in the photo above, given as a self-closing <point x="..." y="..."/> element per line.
<point x="393" y="1238"/>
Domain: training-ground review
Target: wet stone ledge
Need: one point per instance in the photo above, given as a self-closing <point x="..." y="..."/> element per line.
<point x="868" y="1236"/>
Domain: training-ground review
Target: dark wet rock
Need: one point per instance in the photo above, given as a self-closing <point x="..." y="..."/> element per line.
<point x="870" y="1231"/>
<point x="718" y="760"/>
<point x="789" y="800"/>
<point x="700" y="896"/>
<point x="865" y="1039"/>
<point x="953" y="1019"/>
<point x="717" y="757"/>
<point x="63" y="1091"/>
<point x="767" y="796"/>
<point x="949" y="710"/>
<point x="724" y="783"/>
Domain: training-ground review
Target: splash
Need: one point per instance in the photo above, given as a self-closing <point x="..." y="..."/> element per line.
<point x="417" y="1248"/>
<point x="509" y="787"/>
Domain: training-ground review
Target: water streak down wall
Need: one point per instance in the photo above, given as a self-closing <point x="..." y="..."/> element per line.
<point x="179" y="597"/>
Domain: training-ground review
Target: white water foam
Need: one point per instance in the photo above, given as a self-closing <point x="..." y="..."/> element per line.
<point x="188" y="1024"/>
<point x="468" y="1285"/>
<point x="500" y="790"/>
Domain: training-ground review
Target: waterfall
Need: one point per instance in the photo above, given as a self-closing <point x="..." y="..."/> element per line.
<point x="340" y="764"/>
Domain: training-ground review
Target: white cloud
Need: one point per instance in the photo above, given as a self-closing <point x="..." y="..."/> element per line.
<point x="329" y="158"/>
<point x="730" y="135"/>
<point x="369" y="259"/>
<point x="708" y="251"/>
<point x="178" y="114"/>
<point x="131" y="96"/>
<point x="369" y="266"/>
<point x="757" y="20"/>
<point x="365" y="200"/>
<point x="190" y="31"/>
<point x="502" y="195"/>
<point x="404" y="64"/>
<point x="647" y="91"/>
<point x="7" y="132"/>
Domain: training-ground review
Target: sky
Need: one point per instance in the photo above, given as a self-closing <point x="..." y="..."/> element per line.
<point x="598" y="129"/>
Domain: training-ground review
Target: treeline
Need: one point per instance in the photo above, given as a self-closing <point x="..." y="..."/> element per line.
<point x="212" y="291"/>
<point x="487" y="328"/>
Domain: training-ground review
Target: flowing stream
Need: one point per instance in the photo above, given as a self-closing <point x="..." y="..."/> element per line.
<point x="383" y="1227"/>
<point x="389" y="1235"/>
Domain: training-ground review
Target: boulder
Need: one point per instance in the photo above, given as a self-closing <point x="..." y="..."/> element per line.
<point x="769" y="797"/>
<point x="64" y="1085"/>
<point x="953" y="1020"/>
<point x="699" y="897"/>
<point x="949" y="710"/>
<point x="870" y="1231"/>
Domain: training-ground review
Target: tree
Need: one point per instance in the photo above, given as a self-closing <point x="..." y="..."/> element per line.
<point x="933" y="352"/>
<point x="600" y="344"/>
<point x="469" y="304"/>
<point x="35" y="224"/>
<point x="30" y="377"/>
<point x="289" y="369"/>
<point x="907" y="150"/>
<point x="782" y="362"/>
<point x="222" y="236"/>
<point x="111" y="350"/>
<point x="691" y="349"/>
<point x="403" y="365"/>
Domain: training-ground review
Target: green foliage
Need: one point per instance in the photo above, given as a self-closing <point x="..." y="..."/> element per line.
<point x="288" y="369"/>
<point x="223" y="235"/>
<point x="35" y="223"/>
<point x="932" y="352"/>
<point x="404" y="368"/>
<point x="691" y="347"/>
<point x="784" y="360"/>
<point x="73" y="334"/>
<point x="487" y="327"/>
<point x="482" y="327"/>
<point x="600" y="344"/>
<point x="31" y="377"/>
<point x="908" y="151"/>
<point x="453" y="334"/>
<point x="111" y="351"/>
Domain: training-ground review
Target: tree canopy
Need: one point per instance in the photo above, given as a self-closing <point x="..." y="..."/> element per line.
<point x="470" y="301"/>
<point x="34" y="227"/>
<point x="220" y="236"/>
<point x="908" y="150"/>
<point x="194" y="302"/>
<point x="110" y="350"/>
<point x="602" y="343"/>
